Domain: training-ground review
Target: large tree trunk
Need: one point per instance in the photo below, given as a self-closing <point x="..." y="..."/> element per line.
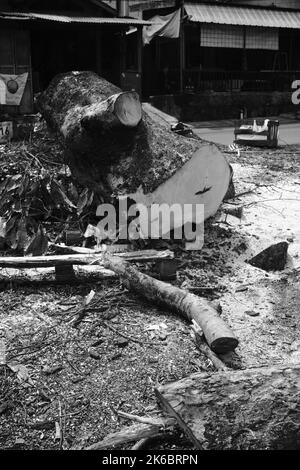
<point x="247" y="409"/>
<point x="117" y="149"/>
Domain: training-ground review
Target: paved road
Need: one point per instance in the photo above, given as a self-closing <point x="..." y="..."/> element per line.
<point x="288" y="133"/>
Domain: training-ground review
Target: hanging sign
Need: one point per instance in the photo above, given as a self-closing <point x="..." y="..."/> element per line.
<point x="12" y="88"/>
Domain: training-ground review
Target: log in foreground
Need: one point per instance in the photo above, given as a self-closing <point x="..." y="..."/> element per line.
<point x="218" y="335"/>
<point x="237" y="410"/>
<point x="116" y="148"/>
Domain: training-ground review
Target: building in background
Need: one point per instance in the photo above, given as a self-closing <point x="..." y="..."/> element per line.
<point x="240" y="49"/>
<point x="40" y="38"/>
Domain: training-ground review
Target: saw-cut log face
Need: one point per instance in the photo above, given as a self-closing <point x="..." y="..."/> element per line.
<point x="128" y="109"/>
<point x="116" y="148"/>
<point x="119" y="111"/>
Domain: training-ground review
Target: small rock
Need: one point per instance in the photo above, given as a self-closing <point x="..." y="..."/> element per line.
<point x="5" y="406"/>
<point x="241" y="289"/>
<point x="75" y="380"/>
<point x="98" y="342"/>
<point x="153" y="360"/>
<point x="19" y="442"/>
<point x="252" y="313"/>
<point x="239" y="249"/>
<point x="162" y="335"/>
<point x="94" y="353"/>
<point x="116" y="356"/>
<point x="122" y="342"/>
<point x="52" y="370"/>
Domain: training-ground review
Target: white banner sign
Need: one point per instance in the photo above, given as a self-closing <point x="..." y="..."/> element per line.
<point x="12" y="88"/>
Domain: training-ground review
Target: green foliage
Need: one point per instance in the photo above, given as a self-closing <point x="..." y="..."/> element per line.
<point x="29" y="200"/>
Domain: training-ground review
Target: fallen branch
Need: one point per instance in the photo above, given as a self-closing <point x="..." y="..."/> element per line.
<point x="142" y="419"/>
<point x="132" y="433"/>
<point x="130" y="338"/>
<point x="218" y="335"/>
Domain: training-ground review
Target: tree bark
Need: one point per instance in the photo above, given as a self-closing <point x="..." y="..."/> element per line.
<point x="218" y="335"/>
<point x="118" y="150"/>
<point x="247" y="409"/>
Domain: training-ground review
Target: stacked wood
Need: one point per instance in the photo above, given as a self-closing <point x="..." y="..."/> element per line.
<point x="117" y="149"/>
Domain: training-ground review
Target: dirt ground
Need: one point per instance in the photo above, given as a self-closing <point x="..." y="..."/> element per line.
<point x="63" y="385"/>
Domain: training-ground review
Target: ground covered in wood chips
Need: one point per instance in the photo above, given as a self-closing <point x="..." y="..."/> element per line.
<point x="62" y="385"/>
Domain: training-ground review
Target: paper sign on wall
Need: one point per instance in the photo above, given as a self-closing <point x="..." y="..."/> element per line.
<point x="12" y="88"/>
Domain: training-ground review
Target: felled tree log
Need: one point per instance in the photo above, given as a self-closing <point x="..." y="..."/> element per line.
<point x="218" y="335"/>
<point x="247" y="409"/>
<point x="116" y="149"/>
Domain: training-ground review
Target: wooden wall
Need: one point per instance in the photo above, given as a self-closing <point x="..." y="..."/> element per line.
<point x="15" y="59"/>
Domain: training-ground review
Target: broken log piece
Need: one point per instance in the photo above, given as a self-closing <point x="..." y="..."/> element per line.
<point x="218" y="335"/>
<point x="133" y="433"/>
<point x="237" y="410"/>
<point x="273" y="258"/>
<point x="146" y="162"/>
<point x="79" y="259"/>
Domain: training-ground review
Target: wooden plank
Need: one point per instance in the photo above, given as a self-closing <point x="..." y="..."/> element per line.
<point x="79" y="259"/>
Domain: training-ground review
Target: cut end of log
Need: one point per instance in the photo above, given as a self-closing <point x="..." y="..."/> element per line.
<point x="223" y="345"/>
<point x="119" y="110"/>
<point x="128" y="109"/>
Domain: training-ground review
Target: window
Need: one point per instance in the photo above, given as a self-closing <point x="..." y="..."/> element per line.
<point x="262" y="38"/>
<point x="222" y="36"/>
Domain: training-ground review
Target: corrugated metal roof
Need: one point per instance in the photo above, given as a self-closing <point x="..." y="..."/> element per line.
<point x="71" y="19"/>
<point x="242" y="16"/>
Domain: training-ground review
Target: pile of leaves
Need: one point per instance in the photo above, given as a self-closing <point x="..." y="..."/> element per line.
<point x="39" y="199"/>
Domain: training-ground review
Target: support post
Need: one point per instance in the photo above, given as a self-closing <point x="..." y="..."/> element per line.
<point x="64" y="273"/>
<point x="182" y="47"/>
